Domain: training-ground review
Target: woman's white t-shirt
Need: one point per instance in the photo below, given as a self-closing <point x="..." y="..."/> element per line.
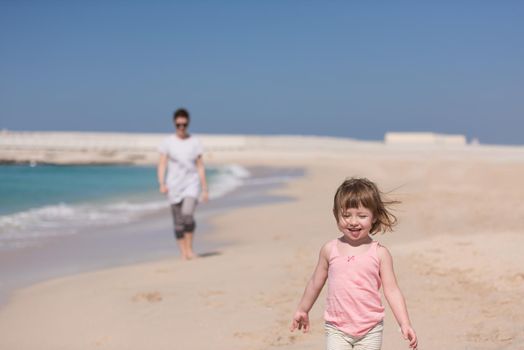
<point x="182" y="174"/>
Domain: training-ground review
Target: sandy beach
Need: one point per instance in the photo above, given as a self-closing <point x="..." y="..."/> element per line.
<point x="456" y="251"/>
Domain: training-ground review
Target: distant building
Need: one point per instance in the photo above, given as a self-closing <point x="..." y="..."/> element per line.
<point x="424" y="138"/>
<point x="475" y="141"/>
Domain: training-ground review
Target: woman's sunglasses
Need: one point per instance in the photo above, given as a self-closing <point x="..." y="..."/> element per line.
<point x="181" y="125"/>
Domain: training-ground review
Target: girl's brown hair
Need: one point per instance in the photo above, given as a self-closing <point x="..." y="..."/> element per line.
<point x="357" y="192"/>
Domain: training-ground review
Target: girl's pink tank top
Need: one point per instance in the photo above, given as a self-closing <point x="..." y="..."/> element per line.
<point x="354" y="305"/>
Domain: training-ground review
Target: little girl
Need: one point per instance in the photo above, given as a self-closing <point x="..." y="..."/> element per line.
<point x="355" y="267"/>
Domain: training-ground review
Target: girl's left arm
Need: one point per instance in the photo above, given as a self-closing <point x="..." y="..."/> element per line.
<point x="202" y="175"/>
<point x="394" y="296"/>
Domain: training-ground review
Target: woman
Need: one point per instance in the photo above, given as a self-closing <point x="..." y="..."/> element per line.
<point x="185" y="180"/>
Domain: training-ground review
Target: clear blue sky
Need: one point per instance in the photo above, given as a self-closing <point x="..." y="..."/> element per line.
<point x="342" y="68"/>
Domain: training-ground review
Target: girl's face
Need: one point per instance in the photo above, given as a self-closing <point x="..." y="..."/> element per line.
<point x="355" y="223"/>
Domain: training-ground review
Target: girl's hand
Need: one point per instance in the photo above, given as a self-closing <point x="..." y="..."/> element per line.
<point x="162" y="189"/>
<point x="409" y="334"/>
<point x="300" y="321"/>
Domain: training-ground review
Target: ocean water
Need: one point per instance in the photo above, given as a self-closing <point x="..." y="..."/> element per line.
<point x="46" y="200"/>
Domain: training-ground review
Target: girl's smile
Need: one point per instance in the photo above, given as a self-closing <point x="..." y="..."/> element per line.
<point x="355" y="223"/>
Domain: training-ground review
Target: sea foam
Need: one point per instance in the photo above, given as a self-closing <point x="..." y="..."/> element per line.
<point x="28" y="227"/>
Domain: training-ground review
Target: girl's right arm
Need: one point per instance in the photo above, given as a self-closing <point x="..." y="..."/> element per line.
<point x="313" y="288"/>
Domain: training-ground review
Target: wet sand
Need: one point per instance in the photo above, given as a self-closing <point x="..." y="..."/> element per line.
<point x="148" y="239"/>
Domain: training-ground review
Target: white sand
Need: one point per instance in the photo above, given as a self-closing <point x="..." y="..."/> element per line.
<point x="456" y="251"/>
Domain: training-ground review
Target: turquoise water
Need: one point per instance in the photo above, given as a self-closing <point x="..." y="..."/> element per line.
<point x="48" y="200"/>
<point x="24" y="187"/>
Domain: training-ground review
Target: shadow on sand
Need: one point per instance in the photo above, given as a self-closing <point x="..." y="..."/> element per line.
<point x="209" y="254"/>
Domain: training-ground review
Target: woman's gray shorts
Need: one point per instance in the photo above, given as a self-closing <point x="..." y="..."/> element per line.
<point x="183" y="216"/>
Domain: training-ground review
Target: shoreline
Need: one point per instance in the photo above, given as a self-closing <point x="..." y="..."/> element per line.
<point x="147" y="239"/>
<point x="456" y="251"/>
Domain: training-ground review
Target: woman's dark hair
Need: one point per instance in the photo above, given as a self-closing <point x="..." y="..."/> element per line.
<point x="181" y="112"/>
